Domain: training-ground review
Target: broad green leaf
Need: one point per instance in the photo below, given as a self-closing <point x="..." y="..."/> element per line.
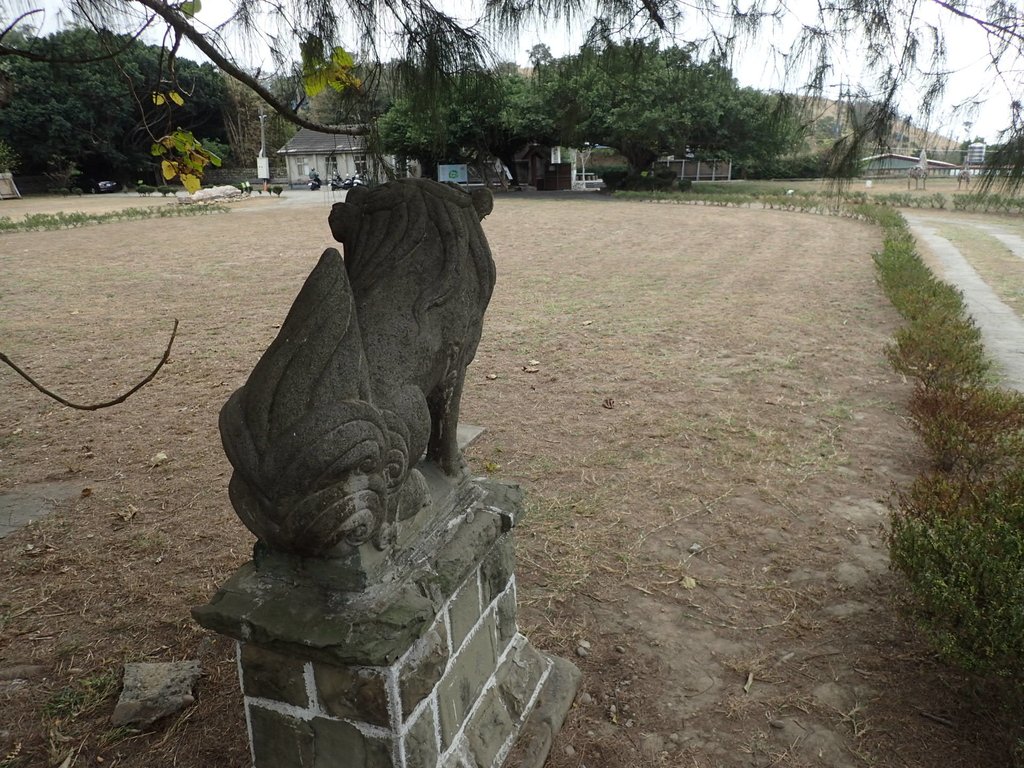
<point x="169" y="169"/>
<point x="320" y="71"/>
<point x="191" y="182"/>
<point x="190" y="7"/>
<point x="315" y="82"/>
<point x="214" y="159"/>
<point x="176" y="98"/>
<point x="158" y="149"/>
<point x="342" y="58"/>
<point x="158" y="99"/>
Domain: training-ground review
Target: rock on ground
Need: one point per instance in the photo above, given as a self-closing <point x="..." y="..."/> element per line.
<point x="215" y="193"/>
<point x="155" y="690"/>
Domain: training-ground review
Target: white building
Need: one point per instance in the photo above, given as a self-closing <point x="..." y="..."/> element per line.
<point x="326" y="153"/>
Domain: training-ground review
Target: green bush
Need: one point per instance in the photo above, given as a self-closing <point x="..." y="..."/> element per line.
<point x="685" y="185"/>
<point x="958" y="533"/>
<point x="963" y="555"/>
<point x="166" y="190"/>
<point x="613" y="176"/>
<point x="971" y="432"/>
<point x="651" y="180"/>
<point x="940" y="351"/>
<point x="792" y="167"/>
<point x="76" y="191"/>
<point x="277" y="189"/>
<point x="61" y="220"/>
<point x="145" y="190"/>
<point x="940" y="345"/>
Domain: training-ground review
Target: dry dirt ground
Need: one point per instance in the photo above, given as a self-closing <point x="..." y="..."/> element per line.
<point x="707" y="444"/>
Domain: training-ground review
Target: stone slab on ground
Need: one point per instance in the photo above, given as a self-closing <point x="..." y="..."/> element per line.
<point x="545" y="721"/>
<point x="155" y="690"/>
<point x="27" y="503"/>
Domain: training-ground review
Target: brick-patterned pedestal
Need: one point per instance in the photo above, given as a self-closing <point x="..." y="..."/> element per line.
<point x="429" y="670"/>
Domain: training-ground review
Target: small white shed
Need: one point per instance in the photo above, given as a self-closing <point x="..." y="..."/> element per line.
<point x="325" y="153"/>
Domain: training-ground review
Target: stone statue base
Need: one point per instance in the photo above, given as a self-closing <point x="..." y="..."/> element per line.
<point x="428" y="669"/>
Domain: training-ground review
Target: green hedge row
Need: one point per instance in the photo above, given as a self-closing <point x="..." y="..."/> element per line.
<point x="958" y="532"/>
<point x="49" y="221"/>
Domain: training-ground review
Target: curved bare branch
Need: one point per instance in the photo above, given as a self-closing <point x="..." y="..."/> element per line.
<point x="181" y="27"/>
<point x="95" y="406"/>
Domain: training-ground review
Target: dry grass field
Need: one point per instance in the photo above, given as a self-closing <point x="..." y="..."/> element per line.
<point x="707" y="445"/>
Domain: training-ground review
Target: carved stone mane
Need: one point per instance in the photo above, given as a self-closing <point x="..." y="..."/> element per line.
<point x="365" y="375"/>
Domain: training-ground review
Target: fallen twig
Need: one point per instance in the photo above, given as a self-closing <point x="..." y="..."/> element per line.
<point x="937" y="718"/>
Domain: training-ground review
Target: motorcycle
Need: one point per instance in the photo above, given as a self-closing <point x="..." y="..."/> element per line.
<point x="337" y="183"/>
<point x="353" y="181"/>
<point x="314" y="181"/>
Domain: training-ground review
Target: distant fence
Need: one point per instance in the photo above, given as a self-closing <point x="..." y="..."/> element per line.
<point x="701" y="170"/>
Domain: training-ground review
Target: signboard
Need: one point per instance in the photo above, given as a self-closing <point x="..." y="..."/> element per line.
<point x="263" y="167"/>
<point x="456" y="173"/>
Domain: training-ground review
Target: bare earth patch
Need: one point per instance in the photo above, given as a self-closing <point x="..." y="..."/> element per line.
<point x="695" y="399"/>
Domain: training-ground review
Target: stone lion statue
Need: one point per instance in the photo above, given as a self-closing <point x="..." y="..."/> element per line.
<point x="366" y="373"/>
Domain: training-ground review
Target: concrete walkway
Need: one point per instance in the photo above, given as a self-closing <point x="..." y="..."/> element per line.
<point x="1002" y="330"/>
<point x="1015" y="243"/>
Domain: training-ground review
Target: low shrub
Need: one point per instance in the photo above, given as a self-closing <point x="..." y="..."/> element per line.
<point x="970" y="432"/>
<point x="940" y="350"/>
<point x="166" y="190"/>
<point x="277" y="189"/>
<point x="810" y="166"/>
<point x="61" y="220"/>
<point x="962" y="552"/>
<point x="957" y="534"/>
<point x="613" y="177"/>
<point x="145" y="190"/>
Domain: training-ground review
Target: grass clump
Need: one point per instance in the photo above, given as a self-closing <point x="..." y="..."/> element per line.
<point x="83" y="696"/>
<point x="958" y="532"/>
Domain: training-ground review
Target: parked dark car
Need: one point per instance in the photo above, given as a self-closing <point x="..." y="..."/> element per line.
<point x="107" y="186"/>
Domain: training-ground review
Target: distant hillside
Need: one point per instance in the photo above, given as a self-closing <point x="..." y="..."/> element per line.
<point x="827" y="121"/>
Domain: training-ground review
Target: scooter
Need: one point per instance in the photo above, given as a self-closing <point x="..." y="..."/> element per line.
<point x="337" y="183"/>
<point x="314" y="181"/>
<point x="353" y="181"/>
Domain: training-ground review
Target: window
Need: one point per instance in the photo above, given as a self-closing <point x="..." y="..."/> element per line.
<point x="360" y="161"/>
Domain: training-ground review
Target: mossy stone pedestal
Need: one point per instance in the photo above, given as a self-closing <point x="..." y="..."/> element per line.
<point x="425" y="670"/>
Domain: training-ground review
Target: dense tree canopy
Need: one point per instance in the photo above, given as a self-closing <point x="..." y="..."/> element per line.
<point x="100" y="114"/>
<point x="481" y="118"/>
<point x="638" y="98"/>
<point x="895" y="42"/>
<point x="648" y="101"/>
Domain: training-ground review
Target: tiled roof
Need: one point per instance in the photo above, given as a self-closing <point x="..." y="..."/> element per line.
<point x="307" y="142"/>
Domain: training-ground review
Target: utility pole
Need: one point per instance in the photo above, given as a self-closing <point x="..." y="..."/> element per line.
<point x="262" y="161"/>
